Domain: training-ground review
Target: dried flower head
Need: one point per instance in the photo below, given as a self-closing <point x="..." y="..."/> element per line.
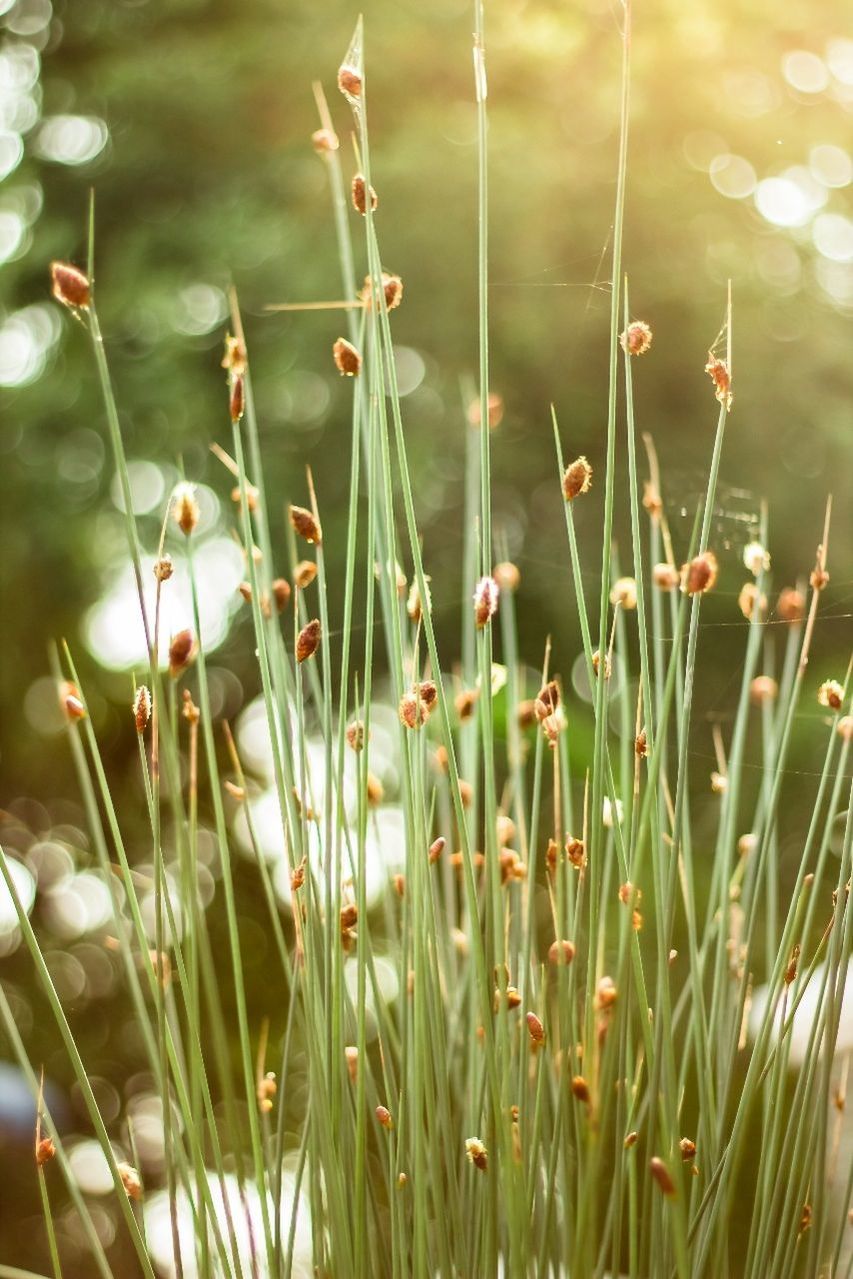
<point x="181" y="652"/>
<point x="561" y="952"/>
<point x="465" y="702"/>
<point x="375" y="790"/>
<point x="631" y="1140"/>
<point x="791" y="605"/>
<point x="383" y="1114"/>
<point x="466" y="793"/>
<point x="349" y="80"/>
<point x="392" y="287"/>
<point x="756" y="558"/>
<point x="355" y="735"/>
<point x="700" y="574"/>
<point x="324" y="141"/>
<point x="359" y="195"/>
<point x="297" y="875"/>
<point x="304" y="573"/>
<point x="577" y="479"/>
<point x="641" y="744"/>
<point x="485" y="601"/>
<point x="750" y="602"/>
<point x="512" y="868"/>
<point x="507" y="576"/>
<point x="237" y="397"/>
<point x="281" y="593"/>
<point x="308" y="640"/>
<point x="596" y="664"/>
<point x="477" y="1153"/>
<point x="189" y="710"/>
<point x="163" y="568"/>
<point x="637" y="338"/>
<point x="415" y="605"/>
<point x="435" y="850"/>
<point x="305" y="524"/>
<point x="576" y="851"/>
<point x="347" y="358"/>
<point x="185" y="508"/>
<point x="763" y="689"/>
<point x="71" y="701"/>
<point x="130" y="1180"/>
<point x="660" y="1172"/>
<point x="831" y="694"/>
<point x="536" y="1030"/>
<point x="624" y="592"/>
<point x="234" y="359"/>
<point x="718" y="372"/>
<point x="580" y="1089"/>
<point x="69" y="285"/>
<point x="141" y="708"/>
<point x="665" y="577"/>
<point x="547" y="700"/>
<point x="819" y="578"/>
<point x="45" y="1151"/>
<point x="494" y="411"/>
<point x="605" y="994"/>
<point x="793" y="962"/>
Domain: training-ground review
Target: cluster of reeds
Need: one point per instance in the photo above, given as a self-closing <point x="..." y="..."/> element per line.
<point x="554" y="1089"/>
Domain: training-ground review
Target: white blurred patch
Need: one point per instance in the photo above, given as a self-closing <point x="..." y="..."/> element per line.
<point x="808" y="1010"/>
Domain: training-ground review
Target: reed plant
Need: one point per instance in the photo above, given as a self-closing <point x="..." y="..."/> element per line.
<point x="553" y="1087"/>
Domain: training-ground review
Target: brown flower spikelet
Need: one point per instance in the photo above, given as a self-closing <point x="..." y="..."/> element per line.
<point x="485" y="601"/>
<point x="308" y="640"/>
<point x="69" y="285"/>
<point x="791" y="605"/>
<point x="507" y="576"/>
<point x="637" y="338"/>
<point x="577" y="479"/>
<point x="660" y="1172"/>
<point x="359" y="195"/>
<point x="349" y="81"/>
<point x="305" y="524"/>
<point x="281" y="593"/>
<point x="347" y="359"/>
<point x="141" y="708"/>
<point x="181" y="652"/>
<point x="700" y="574"/>
<point x="392" y="286"/>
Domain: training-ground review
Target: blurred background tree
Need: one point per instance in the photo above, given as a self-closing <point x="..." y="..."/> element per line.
<point x="192" y="120"/>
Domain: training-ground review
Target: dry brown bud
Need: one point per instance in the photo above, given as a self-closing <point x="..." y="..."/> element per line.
<point x="624" y="593"/>
<point x="750" y="602"/>
<point x="477" y="1153"/>
<point x="465" y="702"/>
<point x="71" y="701"/>
<point x="805" y="1218"/>
<point x="718" y="372"/>
<point x="375" y="790"/>
<point x="355" y="735"/>
<point x="324" y="141"/>
<point x="349" y="916"/>
<point x="791" y="970"/>
<point x="308" y="640"/>
<point x="383" y="1114"/>
<point x="606" y="995"/>
<point x="237" y="397"/>
<point x="485" y="601"/>
<point x="665" y="577"/>
<point x="575" y="851"/>
<point x="304" y="573"/>
<point x="687" y="1148"/>
<point x="297" y="875"/>
<point x="700" y="574"/>
<point x="577" y="479"/>
<point x="347" y="358"/>
<point x="561" y="952"/>
<point x="181" y="652"/>
<point x="819" y="578"/>
<point x="791" y="605"/>
<point x="45" y="1151"/>
<point x="637" y="338"/>
<point x="245" y="589"/>
<point x="235" y="359"/>
<point x="359" y="195"/>
<point x="141" y="708"/>
<point x="399" y="882"/>
<point x="163" y="568"/>
<point x="436" y="848"/>
<point x="69" y="286"/>
<point x="305" y="524"/>
<point x="580" y="1089"/>
<point x="185" y="508"/>
<point x="507" y="576"/>
<point x="466" y="793"/>
<point x="505" y="829"/>
<point x="630" y="1140"/>
<point x="641" y="745"/>
<point x="660" y="1172"/>
<point x="349" y="81"/>
<point x="547" y="700"/>
<point x="130" y="1180"/>
<point x="535" y="1029"/>
<point x="511" y="865"/>
<point x="526" y="713"/>
<point x="392" y="287"/>
<point x="281" y="593"/>
<point x="831" y="694"/>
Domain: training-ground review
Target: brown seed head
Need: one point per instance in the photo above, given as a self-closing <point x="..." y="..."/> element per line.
<point x="252" y="496"/>
<point x="561" y="952"/>
<point x="349" y="81"/>
<point x="234" y="359"/>
<point x="185" y="508"/>
<point x="687" y="1148"/>
<point x="791" y="970"/>
<point x="505" y="829"/>
<point x="297" y="876"/>
<point x="305" y="524"/>
<point x="400" y="885"/>
<point x="750" y="602"/>
<point x="466" y="792"/>
<point x="637" y="338"/>
<point x="526" y="713"/>
<point x="580" y="1089"/>
<point x="660" y="1172"/>
<point x="547" y="700"/>
<point x="383" y="1114"/>
<point x="324" y="141"/>
<point x="130" y="1180"/>
<point x="69" y="286"/>
<point x="281" y="593"/>
<point x="392" y="287"/>
<point x="245" y="589"/>
<point x="465" y="702"/>
<point x="355" y="735"/>
<point x="181" y="652"/>
<point x="436" y="848"/>
<point x="596" y="664"/>
<point x="347" y="359"/>
<point x="535" y="1029"/>
<point x="791" y="605"/>
<point x="630" y="1140"/>
<point x="763" y="689"/>
<point x="485" y="601"/>
<point x="718" y="372"/>
<point x="700" y="574"/>
<point x="237" y="397"/>
<point x="575" y="851"/>
<point x="163" y="568"/>
<point x="141" y="708"/>
<point x="641" y="745"/>
<point x="819" y="578"/>
<point x="605" y="995"/>
<point x="308" y="640"/>
<point x="45" y="1151"/>
<point x="831" y="694"/>
<point x="507" y="576"/>
<point x="511" y="866"/>
<point x="665" y="577"/>
<point x="476" y="1153"/>
<point x="359" y="195"/>
<point x="304" y="573"/>
<point x="577" y="479"/>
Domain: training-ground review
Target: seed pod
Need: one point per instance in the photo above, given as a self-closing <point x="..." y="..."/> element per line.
<point x="791" y="605"/>
<point x="181" y="652"/>
<point x="281" y="593"/>
<point x="819" y="578"/>
<point x="349" y="81"/>
<point x="69" y="285"/>
<point x="700" y="574"/>
<point x="297" y="876"/>
<point x="477" y="1153"/>
<point x="630" y="1140"/>
<point x="466" y="793"/>
<point x="71" y="701"/>
<point x="596" y="664"/>
<point x="505" y="829"/>
<point x="384" y="1117"/>
<point x="130" y="1180"/>
<point x="791" y="970"/>
<point x="660" y="1172"/>
<point x="718" y="372"/>
<point x="535" y="1029"/>
<point x="665" y="577"/>
<point x="547" y="700"/>
<point x="580" y="1089"/>
<point x="687" y="1148"/>
<point x="185" y="508"/>
<point x="234" y="359"/>
<point x="237" y="397"/>
<point x="305" y="524"/>
<point x="304" y="573"/>
<point x="526" y="713"/>
<point x="324" y="141"/>
<point x="141" y="708"/>
<point x="763" y="689"/>
<point x="575" y="851"/>
<point x="831" y="694"/>
<point x="355" y="735"/>
<point x="485" y="601"/>
<point x="577" y="479"/>
<point x="561" y="952"/>
<point x="750" y="602"/>
<point x="392" y="286"/>
<point x="507" y="576"/>
<point x="641" y="745"/>
<point x="436" y="848"/>
<point x="359" y="195"/>
<point x="624" y="593"/>
<point x="465" y="702"/>
<point x="637" y="338"/>
<point x="347" y="358"/>
<point x="606" y="994"/>
<point x="308" y="640"/>
<point x="511" y="866"/>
